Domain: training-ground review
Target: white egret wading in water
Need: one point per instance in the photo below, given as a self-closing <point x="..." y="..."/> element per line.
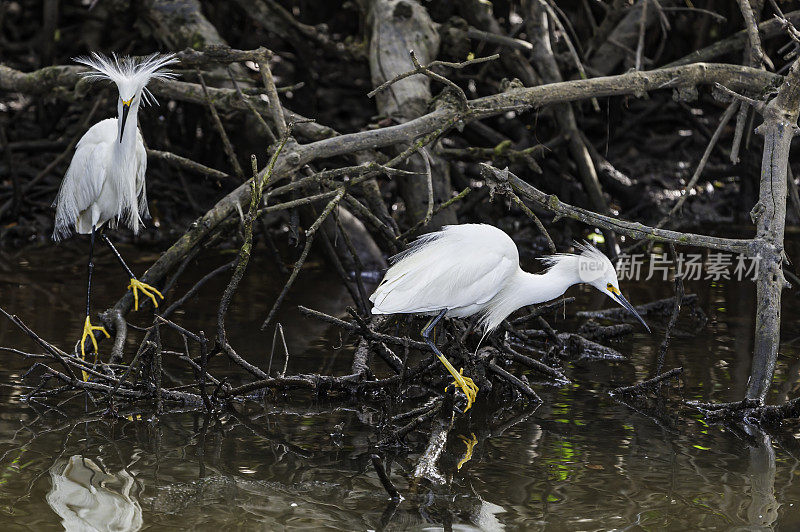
<point x="469" y="269"/>
<point x="105" y="180"/>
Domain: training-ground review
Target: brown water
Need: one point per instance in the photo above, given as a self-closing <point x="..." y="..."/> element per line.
<point x="580" y="461"/>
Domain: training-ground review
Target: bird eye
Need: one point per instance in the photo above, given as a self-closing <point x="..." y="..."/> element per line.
<point x="609" y="286"/>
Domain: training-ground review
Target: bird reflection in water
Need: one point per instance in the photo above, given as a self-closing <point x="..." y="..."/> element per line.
<point x="87" y="499"/>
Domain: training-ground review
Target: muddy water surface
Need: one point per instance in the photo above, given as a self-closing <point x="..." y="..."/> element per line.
<point x="580" y="461"/>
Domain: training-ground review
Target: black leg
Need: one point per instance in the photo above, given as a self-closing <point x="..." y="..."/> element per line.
<point x="116" y="254"/>
<point x="465" y="383"/>
<point x="431" y="324"/>
<point x="426" y="332"/>
<point x="89" y="276"/>
<point x="88" y="328"/>
<point x="433" y="347"/>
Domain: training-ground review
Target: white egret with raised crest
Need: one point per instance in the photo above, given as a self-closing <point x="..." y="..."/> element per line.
<point x="105" y="181"/>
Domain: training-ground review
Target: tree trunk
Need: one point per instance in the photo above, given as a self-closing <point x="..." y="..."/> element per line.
<point x="778" y="129"/>
<point x="397" y="27"/>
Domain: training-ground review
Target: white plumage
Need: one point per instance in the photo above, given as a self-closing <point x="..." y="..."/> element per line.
<point x="474" y="269"/>
<point x="447" y="269"/>
<point x="105" y="180"/>
<point x="99" y="187"/>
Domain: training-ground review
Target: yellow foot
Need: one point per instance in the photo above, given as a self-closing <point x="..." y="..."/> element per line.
<point x="146" y="289"/>
<point x="470" y="443"/>
<point x="88" y="332"/>
<point x="467" y="386"/>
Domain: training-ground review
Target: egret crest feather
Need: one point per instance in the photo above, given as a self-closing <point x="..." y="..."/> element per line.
<point x="590" y="262"/>
<point x="130" y="74"/>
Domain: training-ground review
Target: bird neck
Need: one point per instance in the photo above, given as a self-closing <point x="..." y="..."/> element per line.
<point x="529" y="289"/>
<point x="539" y="288"/>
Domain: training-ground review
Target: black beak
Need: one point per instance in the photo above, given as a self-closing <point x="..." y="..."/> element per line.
<point x="625" y="303"/>
<point x="125" y="108"/>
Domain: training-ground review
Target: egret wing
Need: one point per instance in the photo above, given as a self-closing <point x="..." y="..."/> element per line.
<point x="447" y="271"/>
<point x="85" y="176"/>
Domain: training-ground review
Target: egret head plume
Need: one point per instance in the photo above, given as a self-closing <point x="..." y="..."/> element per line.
<point x="588" y="266"/>
<point x="130" y="74"/>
